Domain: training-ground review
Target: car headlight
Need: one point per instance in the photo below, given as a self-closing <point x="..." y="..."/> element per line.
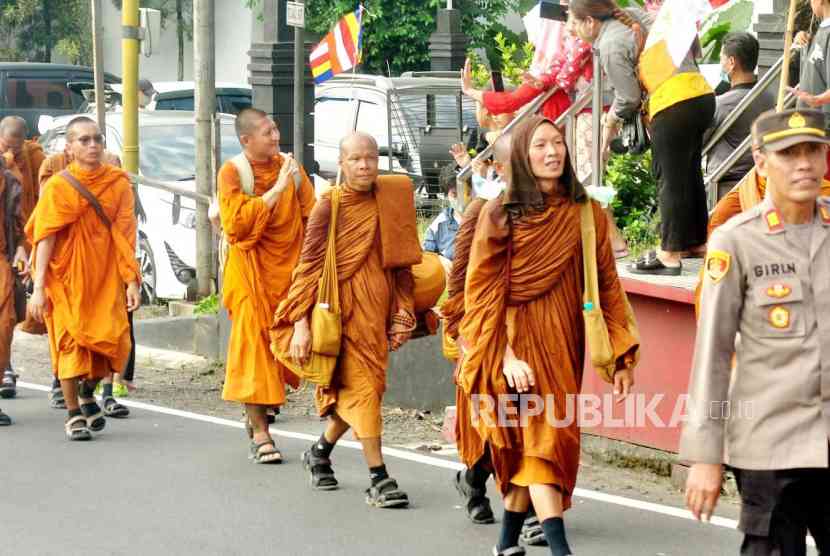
<point x="188" y="220"/>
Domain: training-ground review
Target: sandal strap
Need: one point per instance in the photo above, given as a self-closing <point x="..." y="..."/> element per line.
<point x="76" y="419"/>
<point x="386" y="485"/>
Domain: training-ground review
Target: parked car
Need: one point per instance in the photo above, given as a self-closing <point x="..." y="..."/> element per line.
<point x="415" y="119"/>
<point x="31" y="90"/>
<point x="167" y="152"/>
<point x="179" y="95"/>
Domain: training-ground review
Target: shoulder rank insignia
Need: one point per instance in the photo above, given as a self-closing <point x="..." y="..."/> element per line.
<point x="774" y="222"/>
<point x="717" y="264"/>
<point x="779" y="317"/>
<point x="779" y="291"/>
<point x="824" y="213"/>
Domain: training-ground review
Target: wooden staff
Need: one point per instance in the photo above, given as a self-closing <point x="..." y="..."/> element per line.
<point x="785" y="68"/>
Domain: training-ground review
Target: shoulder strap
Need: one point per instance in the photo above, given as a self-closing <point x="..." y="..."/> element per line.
<point x="246" y="173"/>
<point x="87" y="194"/>
<point x="589" y="254"/>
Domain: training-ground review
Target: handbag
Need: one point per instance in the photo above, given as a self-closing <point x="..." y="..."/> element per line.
<point x="596" y="329"/>
<point x="634" y="137"/>
<point x="326" y="321"/>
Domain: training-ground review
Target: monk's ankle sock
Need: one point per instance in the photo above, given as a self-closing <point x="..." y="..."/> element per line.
<point x="322" y="448"/>
<point x="554" y="529"/>
<point x="106" y="390"/>
<point x="74" y="412"/>
<point x="378" y="474"/>
<point x="511" y="528"/>
<point x="86" y="390"/>
<point x="477" y="476"/>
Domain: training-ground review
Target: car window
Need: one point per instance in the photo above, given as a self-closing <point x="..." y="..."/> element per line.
<point x="39" y="92"/>
<point x="184" y="103"/>
<point x="232" y="104"/>
<point x="168" y="152"/>
<point x="333" y="118"/>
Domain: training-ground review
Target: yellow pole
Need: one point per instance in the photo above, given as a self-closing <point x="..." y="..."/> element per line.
<point x="785" y="69"/>
<point x="129" y="84"/>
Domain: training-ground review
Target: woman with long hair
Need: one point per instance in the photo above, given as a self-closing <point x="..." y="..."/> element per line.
<point x="524" y="326"/>
<point x="680" y="109"/>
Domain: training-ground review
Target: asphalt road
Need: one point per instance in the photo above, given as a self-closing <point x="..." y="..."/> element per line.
<point x="175" y="483"/>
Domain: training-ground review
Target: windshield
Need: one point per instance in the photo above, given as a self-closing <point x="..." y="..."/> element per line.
<point x="169" y="152"/>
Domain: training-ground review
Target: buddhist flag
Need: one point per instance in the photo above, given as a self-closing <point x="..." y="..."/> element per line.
<point x="670" y="39"/>
<point x="339" y="51"/>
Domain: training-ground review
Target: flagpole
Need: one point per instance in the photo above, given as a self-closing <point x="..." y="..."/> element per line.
<point x="785" y="68"/>
<point x="361" y="10"/>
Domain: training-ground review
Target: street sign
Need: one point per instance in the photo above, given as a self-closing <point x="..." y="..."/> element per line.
<point x="295" y="14"/>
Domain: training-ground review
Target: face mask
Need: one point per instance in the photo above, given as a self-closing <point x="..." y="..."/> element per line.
<point x="724" y="76"/>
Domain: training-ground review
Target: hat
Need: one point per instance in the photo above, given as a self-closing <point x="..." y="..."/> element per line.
<point x="775" y="131"/>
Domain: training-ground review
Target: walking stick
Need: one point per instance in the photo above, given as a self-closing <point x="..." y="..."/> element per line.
<point x="785" y="69"/>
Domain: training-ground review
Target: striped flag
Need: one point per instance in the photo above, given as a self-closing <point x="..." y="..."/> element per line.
<point x="671" y="37"/>
<point x="339" y="51"/>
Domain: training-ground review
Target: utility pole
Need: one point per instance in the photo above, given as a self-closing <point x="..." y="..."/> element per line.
<point x="204" y="52"/>
<point x="129" y="68"/>
<point x="299" y="91"/>
<point x="98" y="65"/>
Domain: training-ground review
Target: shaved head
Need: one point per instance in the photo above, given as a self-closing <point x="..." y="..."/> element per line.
<point x="75" y="123"/>
<point x="13" y="125"/>
<point x="356" y="140"/>
<point x="247" y="121"/>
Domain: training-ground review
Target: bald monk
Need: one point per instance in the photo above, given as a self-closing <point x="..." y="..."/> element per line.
<point x="377" y="244"/>
<point x="524" y="326"/>
<point x="265" y="232"/>
<point x="83" y="259"/>
<point x="12" y="254"/>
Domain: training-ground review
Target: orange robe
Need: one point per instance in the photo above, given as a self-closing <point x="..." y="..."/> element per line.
<point x="26" y="166"/>
<point x="7" y="310"/>
<point x="264" y="247"/>
<point x="57" y="162"/>
<point x="369" y="296"/>
<point x="89" y="335"/>
<point x="535" y="305"/>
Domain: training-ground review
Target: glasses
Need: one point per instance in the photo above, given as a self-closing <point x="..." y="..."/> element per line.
<point x="87" y="139"/>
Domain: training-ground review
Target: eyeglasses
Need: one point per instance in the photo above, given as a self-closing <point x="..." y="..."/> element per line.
<point x="87" y="139"/>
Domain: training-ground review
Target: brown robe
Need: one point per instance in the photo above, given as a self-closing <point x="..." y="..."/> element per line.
<point x="7" y="310"/>
<point x="26" y="166"/>
<point x="369" y="295"/>
<point x="535" y="305"/>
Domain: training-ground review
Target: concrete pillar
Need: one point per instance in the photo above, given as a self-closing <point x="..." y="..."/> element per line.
<point x="770" y="29"/>
<point x="448" y="45"/>
<point x="271" y="75"/>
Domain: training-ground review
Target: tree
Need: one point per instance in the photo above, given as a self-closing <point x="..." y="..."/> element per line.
<point x="36" y="28"/>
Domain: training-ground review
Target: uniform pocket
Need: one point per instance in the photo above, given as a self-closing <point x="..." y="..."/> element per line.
<point x="779" y="310"/>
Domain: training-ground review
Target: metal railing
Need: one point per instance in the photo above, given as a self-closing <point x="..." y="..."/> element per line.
<point x="170" y="187"/>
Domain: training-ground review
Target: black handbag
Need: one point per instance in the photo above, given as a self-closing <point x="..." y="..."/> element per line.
<point x="634" y="137"/>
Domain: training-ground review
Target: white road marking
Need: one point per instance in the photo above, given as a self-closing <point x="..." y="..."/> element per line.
<point x="418" y="458"/>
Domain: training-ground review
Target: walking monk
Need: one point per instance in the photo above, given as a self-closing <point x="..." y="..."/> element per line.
<point x="376" y="244"/>
<point x="524" y="325"/>
<point x="263" y="212"/>
<point x="83" y="235"/>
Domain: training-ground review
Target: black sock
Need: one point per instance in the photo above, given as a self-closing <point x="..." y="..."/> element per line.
<point x="377" y="474"/>
<point x="554" y="529"/>
<point x="477" y="475"/>
<point x="74" y="412"/>
<point x="106" y="390"/>
<point x="511" y="528"/>
<point x="322" y="448"/>
<point x="56" y="383"/>
<point x="86" y="389"/>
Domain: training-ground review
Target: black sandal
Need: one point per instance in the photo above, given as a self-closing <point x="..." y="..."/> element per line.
<point x="8" y="385"/>
<point x="386" y="494"/>
<point x="269" y="457"/>
<point x="114" y="409"/>
<point x="5" y="420"/>
<point x="651" y="264"/>
<point x="532" y="533"/>
<point x="322" y="475"/>
<point x="478" y="505"/>
<point x="94" y="416"/>
<point x="77" y="429"/>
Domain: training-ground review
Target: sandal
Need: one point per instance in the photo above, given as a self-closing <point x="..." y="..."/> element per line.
<point x="532" y="533"/>
<point x="266" y="457"/>
<point x="114" y="409"/>
<point x="478" y="505"/>
<point x="94" y="416"/>
<point x="56" y="400"/>
<point x="8" y="385"/>
<point x="386" y="494"/>
<point x="322" y="475"/>
<point x="76" y="428"/>
<point x="651" y="264"/>
<point x="5" y="420"/>
<point x="512" y="551"/>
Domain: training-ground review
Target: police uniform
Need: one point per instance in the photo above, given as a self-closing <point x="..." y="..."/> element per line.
<point x="766" y="298"/>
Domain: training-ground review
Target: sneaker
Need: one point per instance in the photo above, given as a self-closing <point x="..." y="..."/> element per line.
<point x="8" y="386"/>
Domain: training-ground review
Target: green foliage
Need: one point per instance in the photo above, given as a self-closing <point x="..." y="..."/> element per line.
<point x="642" y="233"/>
<point x="737" y="17"/>
<point x="207" y="306"/>
<point x="512" y="58"/>
<point x="34" y="28"/>
<point x="636" y="201"/>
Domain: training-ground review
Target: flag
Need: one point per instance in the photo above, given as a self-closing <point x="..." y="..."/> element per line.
<point x="339" y="51"/>
<point x="671" y="37"/>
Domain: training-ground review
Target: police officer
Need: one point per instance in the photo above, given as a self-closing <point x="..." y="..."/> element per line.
<point x="767" y="285"/>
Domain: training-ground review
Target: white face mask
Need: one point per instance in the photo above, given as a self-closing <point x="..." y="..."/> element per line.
<point x="487" y="188"/>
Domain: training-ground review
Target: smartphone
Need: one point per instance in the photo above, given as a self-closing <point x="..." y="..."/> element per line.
<point x="552" y="9"/>
<point x="498" y="81"/>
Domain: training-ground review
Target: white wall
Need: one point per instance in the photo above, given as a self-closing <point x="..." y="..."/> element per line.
<point x="233" y="40"/>
<point x="761" y="7"/>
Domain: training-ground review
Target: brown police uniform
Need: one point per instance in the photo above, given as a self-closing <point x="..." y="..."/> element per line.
<point x="766" y="298"/>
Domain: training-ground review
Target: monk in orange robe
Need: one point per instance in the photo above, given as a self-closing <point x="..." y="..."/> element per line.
<point x="376" y="244"/>
<point x="265" y="233"/>
<point x="84" y="256"/>
<point x="12" y="254"/>
<point x="524" y="323"/>
<point x="58" y="162"/>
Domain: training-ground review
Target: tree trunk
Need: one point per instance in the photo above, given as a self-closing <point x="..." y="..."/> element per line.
<point x="47" y="20"/>
<point x="180" y="36"/>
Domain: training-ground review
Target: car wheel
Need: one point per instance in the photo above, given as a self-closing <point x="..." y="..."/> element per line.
<point x="147" y="267"/>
